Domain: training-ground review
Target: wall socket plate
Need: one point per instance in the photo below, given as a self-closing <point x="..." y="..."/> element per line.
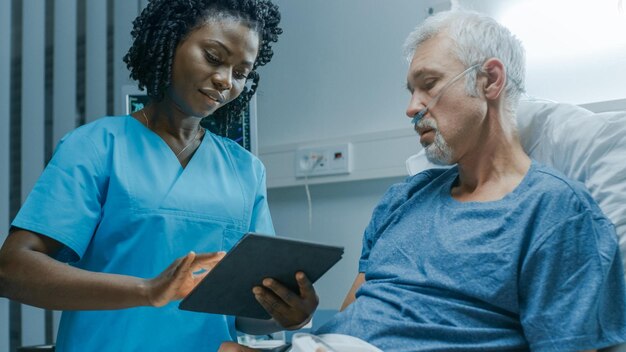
<point x="323" y="160"/>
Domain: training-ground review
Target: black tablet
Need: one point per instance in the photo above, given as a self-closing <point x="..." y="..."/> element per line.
<point x="227" y="289"/>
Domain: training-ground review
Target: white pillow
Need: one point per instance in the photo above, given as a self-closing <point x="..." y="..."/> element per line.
<point x="585" y="146"/>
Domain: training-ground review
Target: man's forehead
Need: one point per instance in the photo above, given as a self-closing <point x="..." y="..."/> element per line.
<point x="421" y="68"/>
<point x="438" y="42"/>
<point x="434" y="55"/>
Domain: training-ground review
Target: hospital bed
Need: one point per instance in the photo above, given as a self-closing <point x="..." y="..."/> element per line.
<point x="585" y="146"/>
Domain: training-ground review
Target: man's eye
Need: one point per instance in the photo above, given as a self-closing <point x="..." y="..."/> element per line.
<point x="430" y="84"/>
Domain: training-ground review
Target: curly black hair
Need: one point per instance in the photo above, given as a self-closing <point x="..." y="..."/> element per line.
<point x="163" y="24"/>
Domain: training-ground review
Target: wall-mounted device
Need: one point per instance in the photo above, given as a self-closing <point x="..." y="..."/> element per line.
<point x="324" y="160"/>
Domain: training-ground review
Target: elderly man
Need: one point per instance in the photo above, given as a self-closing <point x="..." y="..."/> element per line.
<point x="498" y="252"/>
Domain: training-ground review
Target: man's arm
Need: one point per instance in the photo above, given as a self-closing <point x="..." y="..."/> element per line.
<point x="351" y="296"/>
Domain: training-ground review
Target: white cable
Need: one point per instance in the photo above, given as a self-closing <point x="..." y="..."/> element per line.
<point x="308" y="192"/>
<point x="308" y="202"/>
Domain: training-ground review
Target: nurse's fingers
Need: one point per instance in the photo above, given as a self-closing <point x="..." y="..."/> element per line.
<point x="291" y="298"/>
<point x="184" y="264"/>
<point x="306" y="295"/>
<point x="288" y="316"/>
<point x="166" y="286"/>
<point x="306" y="287"/>
<point x="206" y="261"/>
<point x="198" y="277"/>
<point x="183" y="268"/>
<point x="269" y="301"/>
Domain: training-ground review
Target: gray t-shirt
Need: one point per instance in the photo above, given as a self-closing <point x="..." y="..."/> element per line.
<point x="539" y="269"/>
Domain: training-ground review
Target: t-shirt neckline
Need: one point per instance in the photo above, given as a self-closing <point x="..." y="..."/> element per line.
<point x="453" y="175"/>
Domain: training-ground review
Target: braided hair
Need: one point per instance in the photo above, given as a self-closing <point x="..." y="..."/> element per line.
<point x="163" y="24"/>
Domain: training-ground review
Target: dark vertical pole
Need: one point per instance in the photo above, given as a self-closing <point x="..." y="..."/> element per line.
<point x="49" y="128"/>
<point x="110" y="59"/>
<point x="15" y="308"/>
<point x="81" y="56"/>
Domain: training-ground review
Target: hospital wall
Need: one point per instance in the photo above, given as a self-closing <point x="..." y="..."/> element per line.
<point x="338" y="72"/>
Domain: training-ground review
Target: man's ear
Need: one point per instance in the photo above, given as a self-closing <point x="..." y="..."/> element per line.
<point x="496" y="78"/>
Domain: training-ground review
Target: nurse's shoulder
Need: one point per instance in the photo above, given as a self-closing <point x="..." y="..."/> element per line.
<point x="241" y="158"/>
<point x="91" y="142"/>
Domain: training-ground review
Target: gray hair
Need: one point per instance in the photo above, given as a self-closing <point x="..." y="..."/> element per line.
<point x="477" y="38"/>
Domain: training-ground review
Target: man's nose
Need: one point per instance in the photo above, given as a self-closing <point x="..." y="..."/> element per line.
<point x="416" y="105"/>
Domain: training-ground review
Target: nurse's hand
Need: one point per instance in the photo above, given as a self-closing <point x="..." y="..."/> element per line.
<point x="178" y="279"/>
<point x="289" y="309"/>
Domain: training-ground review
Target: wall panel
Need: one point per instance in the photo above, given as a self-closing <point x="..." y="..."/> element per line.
<point x="65" y="113"/>
<point x="5" y="169"/>
<point x="33" y="102"/>
<point x="124" y="12"/>
<point x="96" y="60"/>
<point x="64" y="86"/>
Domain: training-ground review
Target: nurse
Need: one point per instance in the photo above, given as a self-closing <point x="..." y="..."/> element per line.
<point x="128" y="201"/>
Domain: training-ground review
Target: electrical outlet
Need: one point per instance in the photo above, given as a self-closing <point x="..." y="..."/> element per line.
<point x="311" y="160"/>
<point x="323" y="160"/>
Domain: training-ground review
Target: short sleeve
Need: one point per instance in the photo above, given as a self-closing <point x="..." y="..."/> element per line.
<point x="572" y="287"/>
<point x="395" y="196"/>
<point x="369" y="239"/>
<point x="66" y="201"/>
<point x="261" y="217"/>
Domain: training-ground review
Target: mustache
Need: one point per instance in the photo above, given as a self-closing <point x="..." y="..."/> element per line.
<point x="426" y="123"/>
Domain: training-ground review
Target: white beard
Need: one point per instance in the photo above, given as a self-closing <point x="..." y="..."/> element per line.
<point x="438" y="152"/>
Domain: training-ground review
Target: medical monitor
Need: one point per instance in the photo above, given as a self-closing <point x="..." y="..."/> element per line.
<point x="243" y="132"/>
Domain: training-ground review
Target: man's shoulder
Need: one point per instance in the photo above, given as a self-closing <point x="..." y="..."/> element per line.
<point x="550" y="180"/>
<point x="401" y="192"/>
<point x="552" y="188"/>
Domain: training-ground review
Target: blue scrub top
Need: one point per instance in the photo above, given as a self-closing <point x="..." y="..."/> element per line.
<point x="117" y="197"/>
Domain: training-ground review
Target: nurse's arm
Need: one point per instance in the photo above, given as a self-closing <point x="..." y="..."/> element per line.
<point x="30" y="275"/>
<point x="351" y="296"/>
